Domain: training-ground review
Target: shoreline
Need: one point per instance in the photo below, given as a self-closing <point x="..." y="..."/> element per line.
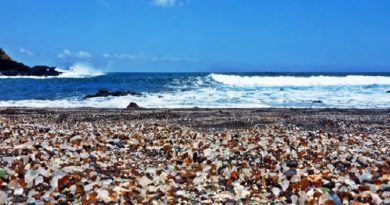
<point x="208" y="156"/>
<point x="217" y="118"/>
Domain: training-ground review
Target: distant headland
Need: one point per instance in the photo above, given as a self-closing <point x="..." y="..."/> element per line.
<point x="9" y="67"/>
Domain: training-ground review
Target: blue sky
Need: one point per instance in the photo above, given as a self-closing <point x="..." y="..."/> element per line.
<point x="200" y="35"/>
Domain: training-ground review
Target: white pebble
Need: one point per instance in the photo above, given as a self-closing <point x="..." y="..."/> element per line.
<point x="3" y="197"/>
<point x="19" y="191"/>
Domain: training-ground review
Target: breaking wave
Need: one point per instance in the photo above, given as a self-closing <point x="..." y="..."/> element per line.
<point x="204" y="98"/>
<point x="228" y="98"/>
<point x="276" y="81"/>
<point x="80" y="70"/>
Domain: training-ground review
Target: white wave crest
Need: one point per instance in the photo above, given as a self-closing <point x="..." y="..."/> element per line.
<point x="80" y="70"/>
<point x="275" y="81"/>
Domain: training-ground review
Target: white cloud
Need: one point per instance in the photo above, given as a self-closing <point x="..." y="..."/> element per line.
<point x="106" y="55"/>
<point x="69" y="54"/>
<point x="142" y="57"/>
<point x="125" y="56"/>
<point x="64" y="54"/>
<point x="164" y="3"/>
<point x="82" y="54"/>
<point x="26" y="52"/>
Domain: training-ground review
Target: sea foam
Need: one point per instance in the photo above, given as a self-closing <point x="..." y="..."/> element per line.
<point x="229" y="98"/>
<point x="279" y="81"/>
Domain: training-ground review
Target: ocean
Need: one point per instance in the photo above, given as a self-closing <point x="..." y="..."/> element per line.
<point x="202" y="90"/>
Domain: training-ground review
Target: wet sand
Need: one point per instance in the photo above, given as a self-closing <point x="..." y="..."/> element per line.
<point x="244" y="156"/>
<point x="214" y="119"/>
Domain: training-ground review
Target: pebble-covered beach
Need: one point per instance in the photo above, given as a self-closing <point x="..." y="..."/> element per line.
<point x="194" y="156"/>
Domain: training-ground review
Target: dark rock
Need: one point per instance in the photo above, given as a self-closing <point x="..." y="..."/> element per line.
<point x="386" y="188"/>
<point x="361" y="163"/>
<point x="179" y="162"/>
<point x="43" y="71"/>
<point x="329" y="184"/>
<point x="289" y="195"/>
<point x="220" y="169"/>
<point x="133" y="105"/>
<point x="292" y="163"/>
<point x="388" y="91"/>
<point x="43" y="130"/>
<point x="316" y="101"/>
<point x="290" y="173"/>
<point x="37" y="146"/>
<point x="8" y="67"/>
<point x="106" y="93"/>
<point x="119" y="144"/>
<point x="195" y="156"/>
<point x="12" y="68"/>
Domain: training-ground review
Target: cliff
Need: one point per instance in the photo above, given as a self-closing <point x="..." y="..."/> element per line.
<point x="4" y="56"/>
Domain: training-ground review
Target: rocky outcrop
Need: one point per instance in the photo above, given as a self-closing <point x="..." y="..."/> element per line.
<point x="4" y="56"/>
<point x="316" y="101"/>
<point x="133" y="105"/>
<point x="9" y="67"/>
<point x="106" y="93"/>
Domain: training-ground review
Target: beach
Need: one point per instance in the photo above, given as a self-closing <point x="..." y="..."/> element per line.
<point x="195" y="102"/>
<point x="194" y="156"/>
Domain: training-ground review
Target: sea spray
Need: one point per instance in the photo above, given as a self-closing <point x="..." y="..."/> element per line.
<point x="80" y="70"/>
